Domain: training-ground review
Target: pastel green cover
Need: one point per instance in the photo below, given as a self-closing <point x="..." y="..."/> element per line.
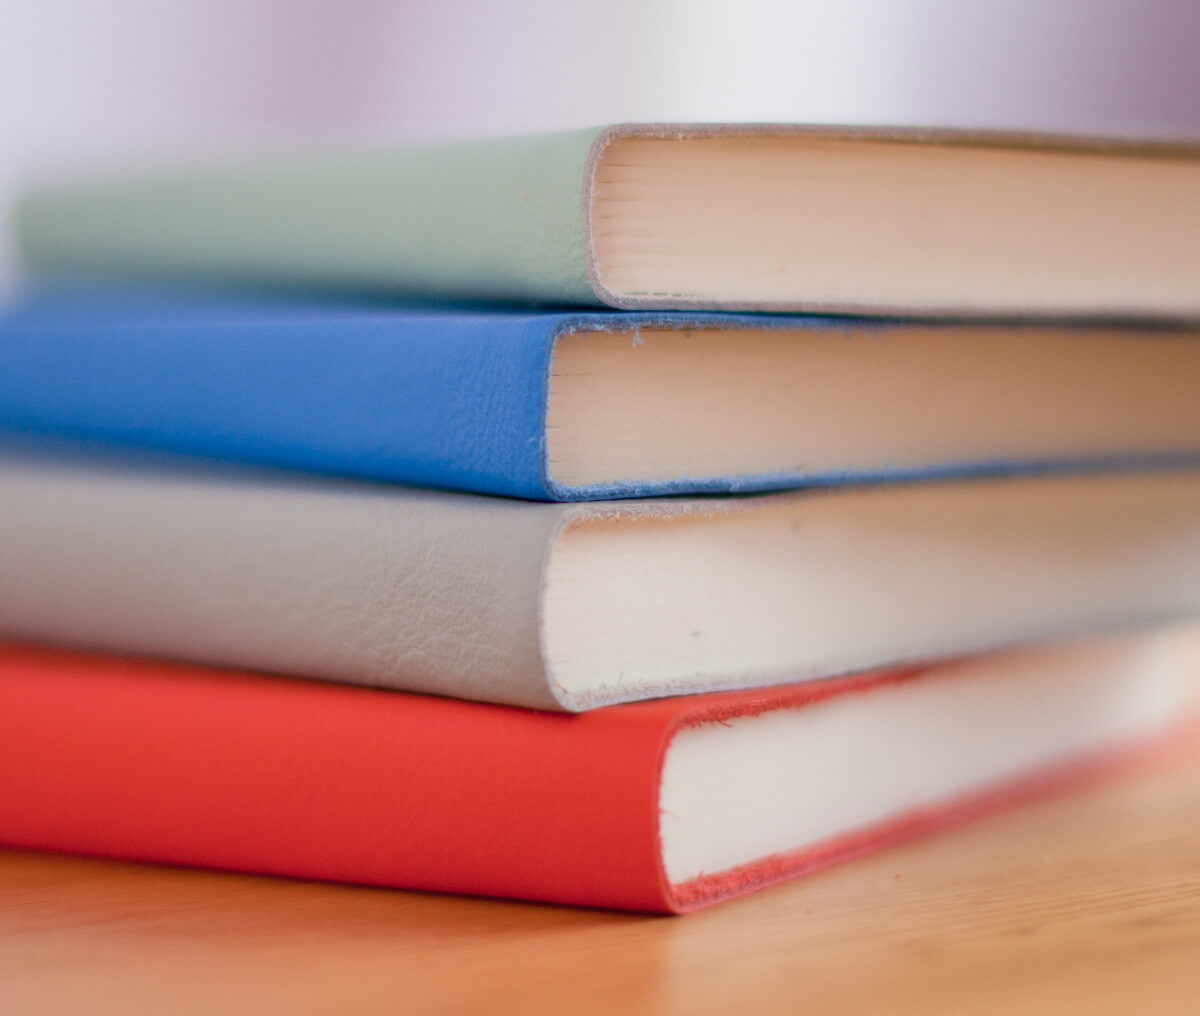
<point x="507" y="219"/>
<point x="498" y="219"/>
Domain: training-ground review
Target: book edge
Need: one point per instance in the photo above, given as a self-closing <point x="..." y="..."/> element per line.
<point x="1106" y="764"/>
<point x="1030" y="140"/>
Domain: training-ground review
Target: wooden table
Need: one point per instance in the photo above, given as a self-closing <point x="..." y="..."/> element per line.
<point x="1089" y="904"/>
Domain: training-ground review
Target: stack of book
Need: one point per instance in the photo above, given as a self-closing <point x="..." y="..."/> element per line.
<point x="629" y="518"/>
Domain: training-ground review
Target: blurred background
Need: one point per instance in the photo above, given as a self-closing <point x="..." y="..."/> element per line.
<point x="88" y="85"/>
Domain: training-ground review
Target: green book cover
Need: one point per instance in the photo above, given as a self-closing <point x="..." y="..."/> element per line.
<point x="663" y="217"/>
<point x="497" y="219"/>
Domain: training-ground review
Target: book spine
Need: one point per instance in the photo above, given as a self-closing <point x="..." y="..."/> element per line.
<point x="364" y="584"/>
<point x="157" y="762"/>
<point x="490" y="220"/>
<point x="453" y="403"/>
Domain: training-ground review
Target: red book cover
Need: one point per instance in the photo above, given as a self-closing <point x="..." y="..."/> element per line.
<point x="154" y="761"/>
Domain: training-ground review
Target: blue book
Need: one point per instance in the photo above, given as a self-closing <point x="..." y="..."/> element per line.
<point x="577" y="405"/>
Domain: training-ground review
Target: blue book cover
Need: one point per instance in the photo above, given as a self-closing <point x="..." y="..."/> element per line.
<point x="576" y="405"/>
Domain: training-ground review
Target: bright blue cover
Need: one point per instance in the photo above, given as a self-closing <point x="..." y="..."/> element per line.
<point x="427" y="396"/>
<point x="442" y="397"/>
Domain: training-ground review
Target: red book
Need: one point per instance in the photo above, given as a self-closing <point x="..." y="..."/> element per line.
<point x="657" y="806"/>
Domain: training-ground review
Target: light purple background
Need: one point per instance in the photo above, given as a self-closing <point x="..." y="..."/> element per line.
<point x="87" y="85"/>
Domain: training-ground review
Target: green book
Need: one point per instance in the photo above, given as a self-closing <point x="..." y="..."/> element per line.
<point x="770" y="217"/>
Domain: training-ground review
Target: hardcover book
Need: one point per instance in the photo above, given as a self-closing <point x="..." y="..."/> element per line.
<point x="582" y="605"/>
<point x="570" y="405"/>
<point x="661" y="806"/>
<point x="766" y="217"/>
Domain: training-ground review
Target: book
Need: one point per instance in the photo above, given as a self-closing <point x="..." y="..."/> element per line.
<point x="665" y="216"/>
<point x="572" y="406"/>
<point x="576" y="606"/>
<point x="660" y="806"/>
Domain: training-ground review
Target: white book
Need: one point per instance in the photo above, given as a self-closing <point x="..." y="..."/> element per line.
<point x="573" y="606"/>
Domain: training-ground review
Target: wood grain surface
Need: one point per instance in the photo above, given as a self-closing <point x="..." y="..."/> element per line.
<point x="1085" y="904"/>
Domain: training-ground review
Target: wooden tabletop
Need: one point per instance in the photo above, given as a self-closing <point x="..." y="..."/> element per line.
<point x="1085" y="904"/>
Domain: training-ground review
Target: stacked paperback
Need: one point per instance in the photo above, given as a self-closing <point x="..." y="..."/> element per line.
<point x="629" y="518"/>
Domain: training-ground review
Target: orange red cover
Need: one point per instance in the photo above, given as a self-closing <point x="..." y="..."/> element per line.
<point x="167" y="762"/>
